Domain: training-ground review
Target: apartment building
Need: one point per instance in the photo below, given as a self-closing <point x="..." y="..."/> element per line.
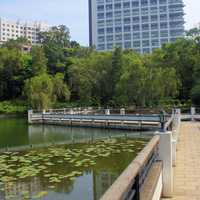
<point x="13" y="30"/>
<point x="142" y="25"/>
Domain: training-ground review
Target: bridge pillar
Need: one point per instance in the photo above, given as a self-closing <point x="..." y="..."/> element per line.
<point x="107" y="111"/>
<point x="165" y="155"/>
<point x="192" y="112"/>
<point x="30" y="112"/>
<point x="122" y="111"/>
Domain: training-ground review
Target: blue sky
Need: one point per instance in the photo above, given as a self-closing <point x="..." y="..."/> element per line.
<point x="73" y="13"/>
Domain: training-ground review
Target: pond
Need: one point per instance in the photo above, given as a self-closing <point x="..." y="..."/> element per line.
<point x="82" y="167"/>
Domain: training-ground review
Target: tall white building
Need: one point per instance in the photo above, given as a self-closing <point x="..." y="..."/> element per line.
<point x="14" y="30"/>
<point x="143" y="25"/>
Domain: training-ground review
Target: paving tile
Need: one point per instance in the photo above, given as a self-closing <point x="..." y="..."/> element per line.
<point x="187" y="170"/>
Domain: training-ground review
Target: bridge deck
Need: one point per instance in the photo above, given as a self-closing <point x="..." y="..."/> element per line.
<point x="187" y="170"/>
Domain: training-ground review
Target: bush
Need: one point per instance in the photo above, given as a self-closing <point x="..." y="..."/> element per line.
<point x="8" y="107"/>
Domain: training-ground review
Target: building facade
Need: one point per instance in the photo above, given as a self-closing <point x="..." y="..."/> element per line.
<point x="142" y="25"/>
<point x="13" y="30"/>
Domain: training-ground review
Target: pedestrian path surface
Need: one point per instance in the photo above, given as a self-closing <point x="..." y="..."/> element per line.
<point x="187" y="170"/>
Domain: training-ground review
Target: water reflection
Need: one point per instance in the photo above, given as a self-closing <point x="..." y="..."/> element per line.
<point x="90" y="186"/>
<point x="54" y="134"/>
<point x="16" y="132"/>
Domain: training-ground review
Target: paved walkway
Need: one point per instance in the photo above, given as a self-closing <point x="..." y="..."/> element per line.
<point x="187" y="170"/>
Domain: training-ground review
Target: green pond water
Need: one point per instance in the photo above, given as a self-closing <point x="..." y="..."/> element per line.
<point x="83" y="168"/>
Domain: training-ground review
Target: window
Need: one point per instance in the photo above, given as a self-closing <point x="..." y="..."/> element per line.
<point x="101" y="31"/>
<point x="136" y="19"/>
<point x="136" y="44"/>
<point x="101" y="47"/>
<point x="154" y="34"/>
<point x="100" y="8"/>
<point x="136" y="27"/>
<point x="127" y="20"/>
<point x="146" y="50"/>
<point x="154" y="26"/>
<point x="163" y="33"/>
<point x="127" y="13"/>
<point x="145" y="19"/>
<point x="109" y="38"/>
<point x="127" y="45"/>
<point x="118" y="29"/>
<point x="127" y="28"/>
<point x="163" y="17"/>
<point x="118" y="13"/>
<point x="145" y="26"/>
<point x="154" y="17"/>
<point x="109" y="14"/>
<point x="118" y="37"/>
<point x="144" y="3"/>
<point x="109" y="7"/>
<point x="136" y="36"/>
<point x="109" y="30"/>
<point x="145" y="43"/>
<point x="155" y="43"/>
<point x="153" y="2"/>
<point x="118" y="6"/>
<point x="118" y="21"/>
<point x="100" y="15"/>
<point x="127" y="36"/>
<point x="110" y="46"/>
<point x="145" y="34"/>
<point x="135" y="3"/>
<point x="126" y="4"/>
<point x="101" y="39"/>
<point x="163" y="25"/>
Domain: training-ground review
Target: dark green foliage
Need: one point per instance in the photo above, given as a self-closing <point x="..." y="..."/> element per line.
<point x="61" y="72"/>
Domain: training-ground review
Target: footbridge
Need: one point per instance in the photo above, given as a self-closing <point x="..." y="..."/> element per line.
<point x="107" y="118"/>
<point x="168" y="167"/>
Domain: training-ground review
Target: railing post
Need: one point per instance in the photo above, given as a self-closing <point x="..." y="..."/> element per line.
<point x="162" y="120"/>
<point x="30" y="112"/>
<point x="43" y="113"/>
<point x="192" y="112"/>
<point x="122" y="111"/>
<point x="71" y="112"/>
<point x="165" y="155"/>
<point x="107" y="111"/>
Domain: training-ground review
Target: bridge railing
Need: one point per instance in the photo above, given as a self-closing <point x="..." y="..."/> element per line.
<point x="129" y="183"/>
<point x="100" y="110"/>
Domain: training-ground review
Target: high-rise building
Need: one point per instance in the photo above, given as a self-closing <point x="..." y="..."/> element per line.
<point x="14" y="30"/>
<point x="143" y="25"/>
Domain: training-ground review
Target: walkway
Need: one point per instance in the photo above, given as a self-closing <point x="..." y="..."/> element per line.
<point x="187" y="170"/>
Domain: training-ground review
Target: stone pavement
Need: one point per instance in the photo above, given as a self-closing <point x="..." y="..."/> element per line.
<point x="187" y="170"/>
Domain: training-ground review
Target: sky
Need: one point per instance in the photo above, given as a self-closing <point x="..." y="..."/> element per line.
<point x="72" y="13"/>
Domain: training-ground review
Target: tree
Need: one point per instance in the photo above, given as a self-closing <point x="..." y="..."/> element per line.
<point x="55" y="43"/>
<point x="61" y="90"/>
<point x="39" y="61"/>
<point x="43" y="90"/>
<point x="195" y="94"/>
<point x="13" y="66"/>
<point x="194" y="32"/>
<point x="39" y="91"/>
<point x="16" y="44"/>
<point x="132" y="80"/>
<point x="57" y="36"/>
